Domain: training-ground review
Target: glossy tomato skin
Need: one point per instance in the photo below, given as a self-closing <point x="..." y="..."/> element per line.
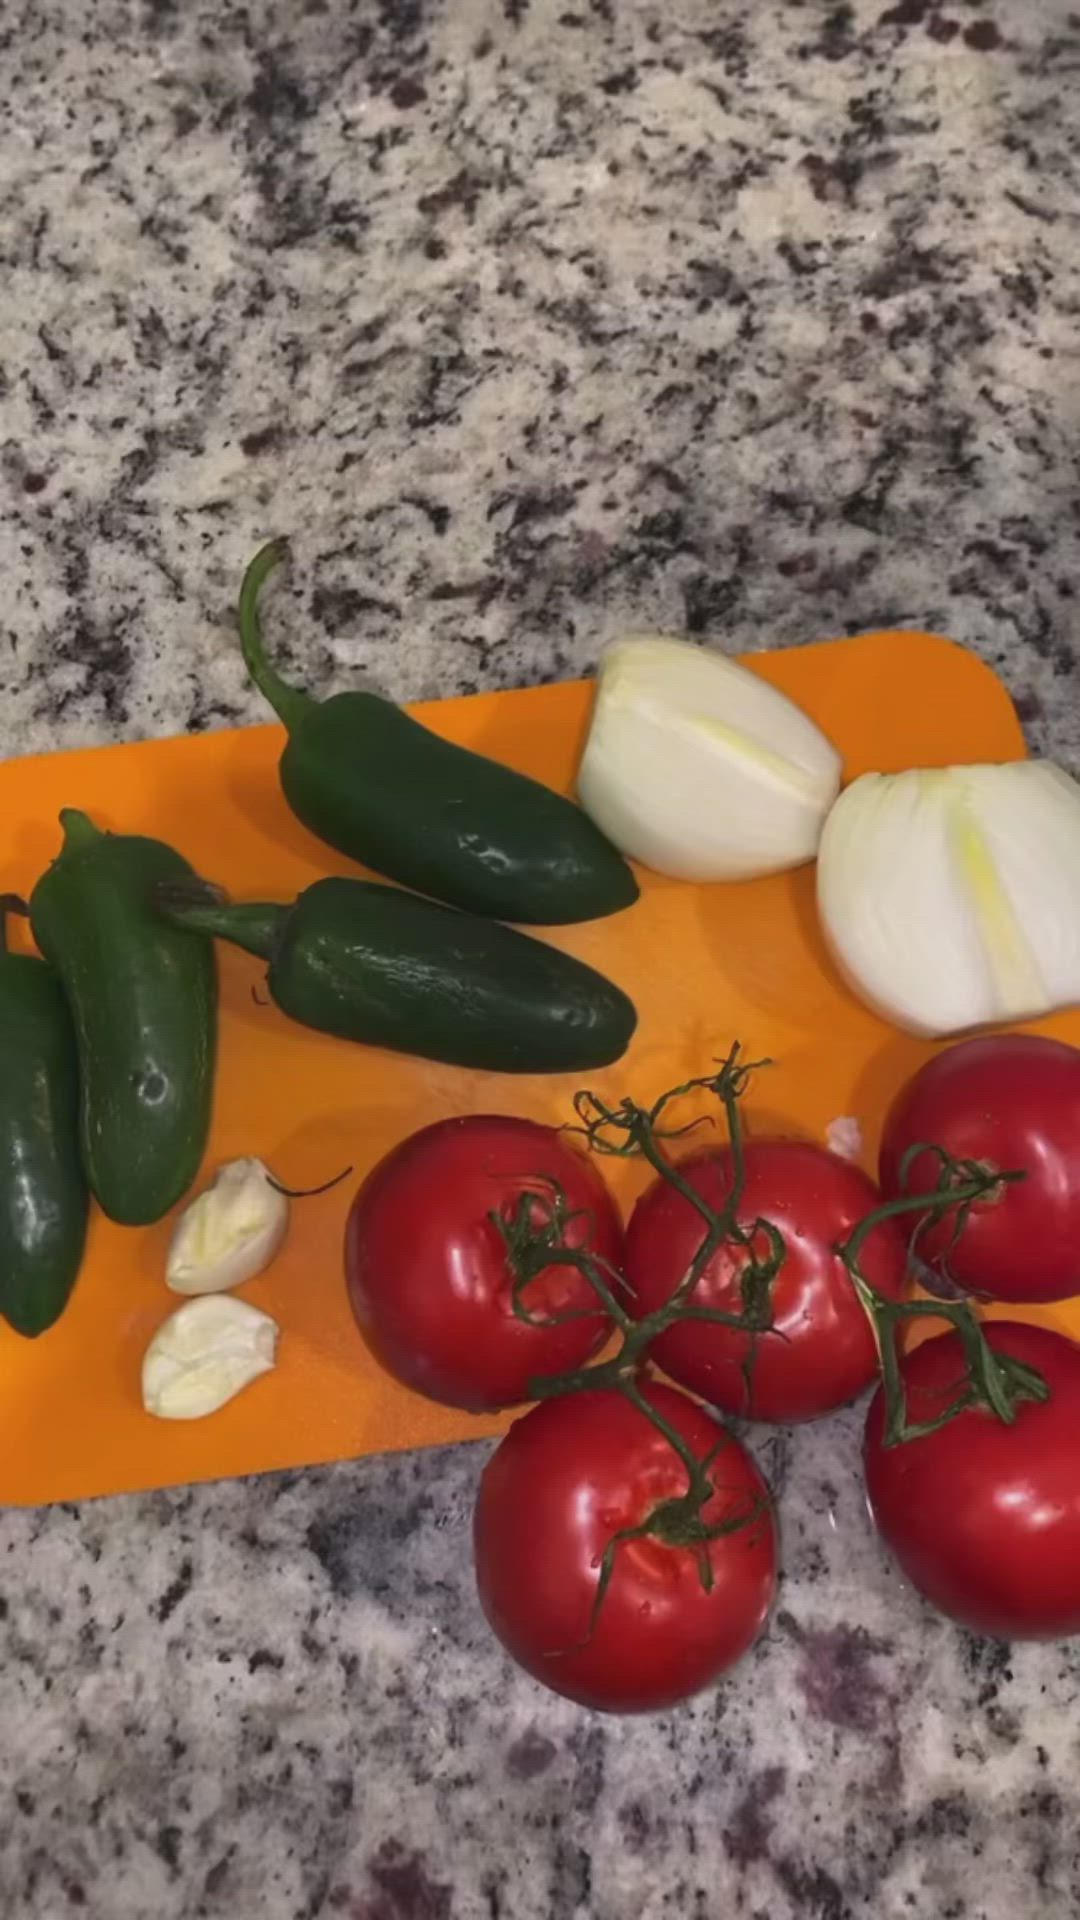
<point x="427" y="1272"/>
<point x="984" y="1518"/>
<point x="567" y="1477"/>
<point x="1011" y="1100"/>
<point x="822" y="1353"/>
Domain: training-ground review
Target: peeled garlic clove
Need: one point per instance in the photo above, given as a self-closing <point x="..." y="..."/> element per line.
<point x="700" y="769"/>
<point x="229" y="1233"/>
<point x="950" y="896"/>
<point x="844" y="1137"/>
<point x="204" y="1354"/>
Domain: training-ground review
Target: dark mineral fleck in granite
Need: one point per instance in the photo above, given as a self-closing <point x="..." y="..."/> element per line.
<point x="530" y="322"/>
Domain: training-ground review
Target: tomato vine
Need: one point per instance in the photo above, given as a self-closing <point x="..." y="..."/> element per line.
<point x="535" y="1237"/>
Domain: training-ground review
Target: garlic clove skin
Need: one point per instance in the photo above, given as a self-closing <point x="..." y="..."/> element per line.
<point x="950" y="896"/>
<point x="204" y="1355"/>
<point x="698" y="768"/>
<point x="229" y="1233"/>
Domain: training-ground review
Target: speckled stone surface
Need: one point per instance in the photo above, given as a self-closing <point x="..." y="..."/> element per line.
<point x="529" y="321"/>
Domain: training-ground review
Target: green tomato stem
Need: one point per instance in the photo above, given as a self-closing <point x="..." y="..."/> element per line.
<point x="992" y="1380"/>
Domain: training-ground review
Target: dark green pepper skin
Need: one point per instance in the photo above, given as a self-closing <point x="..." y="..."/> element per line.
<point x="383" y="789"/>
<point x="371" y="963"/>
<point x="143" y="998"/>
<point x="43" y="1196"/>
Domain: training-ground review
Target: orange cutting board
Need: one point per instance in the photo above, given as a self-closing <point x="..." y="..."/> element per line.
<point x="704" y="964"/>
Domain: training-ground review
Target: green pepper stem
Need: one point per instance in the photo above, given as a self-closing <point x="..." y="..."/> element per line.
<point x="289" y="703"/>
<point x="79" y="829"/>
<point x="199" y="907"/>
<point x="10" y="903"/>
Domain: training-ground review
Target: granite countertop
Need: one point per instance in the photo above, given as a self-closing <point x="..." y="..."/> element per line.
<point x="530" y="321"/>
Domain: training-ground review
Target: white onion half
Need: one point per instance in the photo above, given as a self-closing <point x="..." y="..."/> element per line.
<point x="950" y="896"/>
<point x="698" y="768"/>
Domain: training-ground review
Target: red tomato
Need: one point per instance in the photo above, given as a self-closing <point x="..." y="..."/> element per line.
<point x="427" y="1272"/>
<point x="984" y="1518"/>
<point x="1009" y="1101"/>
<point x="822" y="1351"/>
<point x="570" y="1475"/>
